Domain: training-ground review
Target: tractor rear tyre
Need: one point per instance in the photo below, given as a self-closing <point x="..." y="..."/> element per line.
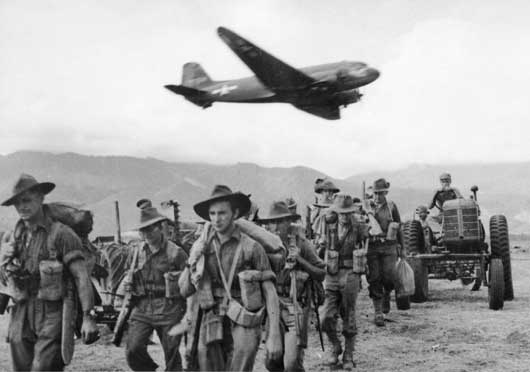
<point x="500" y="248"/>
<point x="413" y="241"/>
<point x="496" y="285"/>
<point x="421" y="280"/>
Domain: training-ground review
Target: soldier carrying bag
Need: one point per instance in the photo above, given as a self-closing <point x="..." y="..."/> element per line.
<point x="234" y="310"/>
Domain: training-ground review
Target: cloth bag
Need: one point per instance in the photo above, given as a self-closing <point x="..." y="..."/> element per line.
<point x="404" y="278"/>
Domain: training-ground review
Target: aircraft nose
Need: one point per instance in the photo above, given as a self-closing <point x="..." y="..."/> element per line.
<point x="372" y="73"/>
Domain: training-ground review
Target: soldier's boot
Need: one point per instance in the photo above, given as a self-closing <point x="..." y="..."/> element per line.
<point x="379" y="318"/>
<point x="332" y="355"/>
<point x="386" y="303"/>
<point x="347" y="358"/>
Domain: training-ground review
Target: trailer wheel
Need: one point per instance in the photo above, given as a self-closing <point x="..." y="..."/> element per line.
<point x="496" y="285"/>
<point x="500" y="248"/>
<point x="421" y="280"/>
<point x="413" y="240"/>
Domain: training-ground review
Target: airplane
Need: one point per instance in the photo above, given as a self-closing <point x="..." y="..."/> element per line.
<point x="319" y="90"/>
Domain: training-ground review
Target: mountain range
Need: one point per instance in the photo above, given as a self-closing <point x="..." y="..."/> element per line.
<point x="95" y="182"/>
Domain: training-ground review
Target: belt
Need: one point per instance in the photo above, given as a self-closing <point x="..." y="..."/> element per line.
<point x="345" y="264"/>
<point x="155" y="293"/>
<point x="220" y="292"/>
<point x="379" y="240"/>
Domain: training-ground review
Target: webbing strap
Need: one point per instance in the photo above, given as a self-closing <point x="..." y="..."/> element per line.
<point x="227" y="283"/>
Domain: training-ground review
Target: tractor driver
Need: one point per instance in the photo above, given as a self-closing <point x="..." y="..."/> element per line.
<point x="445" y="192"/>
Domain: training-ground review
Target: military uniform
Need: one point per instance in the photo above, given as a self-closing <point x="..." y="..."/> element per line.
<point x="382" y="257"/>
<point x="293" y="343"/>
<point x="153" y="311"/>
<point x="342" y="288"/>
<point x="225" y="345"/>
<point x="34" y="331"/>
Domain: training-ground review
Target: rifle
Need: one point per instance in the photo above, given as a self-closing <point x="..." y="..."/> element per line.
<point x="315" y="304"/>
<point x="176" y="212"/>
<point x="308" y="227"/>
<point x="375" y="228"/>
<point x="117" y="238"/>
<point x="290" y="264"/>
<point x="126" y="307"/>
<point x="192" y="359"/>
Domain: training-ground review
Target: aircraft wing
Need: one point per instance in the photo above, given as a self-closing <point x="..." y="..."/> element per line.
<point x="273" y="73"/>
<point x="329" y="112"/>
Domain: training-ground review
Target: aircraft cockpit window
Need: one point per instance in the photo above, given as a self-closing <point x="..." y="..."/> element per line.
<point x="357" y="65"/>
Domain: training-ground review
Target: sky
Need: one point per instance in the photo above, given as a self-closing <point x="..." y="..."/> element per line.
<point x="88" y="77"/>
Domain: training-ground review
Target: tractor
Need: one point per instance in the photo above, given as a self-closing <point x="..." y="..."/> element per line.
<point x="461" y="252"/>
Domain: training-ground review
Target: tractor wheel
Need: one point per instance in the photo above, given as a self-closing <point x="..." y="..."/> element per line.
<point x="500" y="248"/>
<point x="421" y="280"/>
<point x="413" y="241"/>
<point x="478" y="280"/>
<point x="496" y="288"/>
<point x="403" y="302"/>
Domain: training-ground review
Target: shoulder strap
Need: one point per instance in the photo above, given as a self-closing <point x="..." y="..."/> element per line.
<point x="390" y="205"/>
<point x="50" y="242"/>
<point x="227" y="283"/>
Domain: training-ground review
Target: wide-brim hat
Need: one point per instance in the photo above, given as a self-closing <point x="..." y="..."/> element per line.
<point x="277" y="211"/>
<point x="343" y="203"/>
<point x="149" y="216"/>
<point x="381" y="185"/>
<point x="24" y="183"/>
<point x="220" y="193"/>
<point x="326" y="185"/>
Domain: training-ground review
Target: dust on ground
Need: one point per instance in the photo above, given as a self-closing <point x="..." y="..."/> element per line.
<point x="454" y="331"/>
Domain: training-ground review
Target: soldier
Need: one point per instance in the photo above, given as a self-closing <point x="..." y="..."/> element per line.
<point x="158" y="304"/>
<point x="325" y="190"/>
<point x="36" y="263"/>
<point x="383" y="250"/>
<point x="343" y="278"/>
<point x="235" y="287"/>
<point x="428" y="235"/>
<point x="304" y="266"/>
<point x="445" y="192"/>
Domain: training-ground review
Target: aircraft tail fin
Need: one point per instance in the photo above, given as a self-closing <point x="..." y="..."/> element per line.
<point x="194" y="76"/>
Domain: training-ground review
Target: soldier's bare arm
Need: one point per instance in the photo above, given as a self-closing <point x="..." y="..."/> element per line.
<point x="89" y="329"/>
<point x="273" y="344"/>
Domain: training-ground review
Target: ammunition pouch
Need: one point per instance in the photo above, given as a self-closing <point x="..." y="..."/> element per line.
<point x="241" y="316"/>
<point x="332" y="262"/>
<point x="213" y="326"/>
<point x="391" y="233"/>
<point x="172" y="286"/>
<point x="250" y="284"/>
<point x="51" y="280"/>
<point x="359" y="261"/>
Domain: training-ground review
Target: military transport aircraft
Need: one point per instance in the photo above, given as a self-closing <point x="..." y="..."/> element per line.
<point x="319" y="90"/>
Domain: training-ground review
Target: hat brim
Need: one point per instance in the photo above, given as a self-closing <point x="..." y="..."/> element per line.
<point x="381" y="190"/>
<point x="319" y="205"/>
<point x="351" y="209"/>
<point x="44" y="187"/>
<point x="321" y="190"/>
<point x="241" y="201"/>
<point x="150" y="222"/>
<point x="292" y="216"/>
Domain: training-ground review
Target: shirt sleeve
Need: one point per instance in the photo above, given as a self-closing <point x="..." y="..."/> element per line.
<point x="68" y="245"/>
<point x="180" y="260"/>
<point x="260" y="262"/>
<point x="310" y="255"/>
<point x="395" y="214"/>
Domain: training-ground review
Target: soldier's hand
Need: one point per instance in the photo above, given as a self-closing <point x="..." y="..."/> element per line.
<point x="274" y="348"/>
<point x="89" y="331"/>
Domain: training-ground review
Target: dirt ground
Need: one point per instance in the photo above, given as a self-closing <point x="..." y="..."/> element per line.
<point x="454" y="331"/>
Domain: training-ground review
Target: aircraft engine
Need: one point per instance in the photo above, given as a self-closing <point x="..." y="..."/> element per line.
<point x="347" y="97"/>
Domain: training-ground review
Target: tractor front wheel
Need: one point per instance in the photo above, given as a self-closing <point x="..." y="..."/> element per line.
<point x="496" y="284"/>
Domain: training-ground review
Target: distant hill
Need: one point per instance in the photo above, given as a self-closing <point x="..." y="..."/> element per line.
<point x="97" y="181"/>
